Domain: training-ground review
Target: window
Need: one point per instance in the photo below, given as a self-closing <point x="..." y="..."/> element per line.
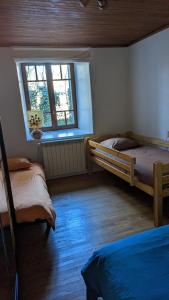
<point x="51" y="89"/>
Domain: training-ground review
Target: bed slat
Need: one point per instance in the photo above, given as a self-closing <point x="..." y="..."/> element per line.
<point x="111" y="151"/>
<point x="165" y="179"/>
<point x="165" y="168"/>
<point x="148" y="140"/>
<point x="110" y="168"/>
<point x="144" y="187"/>
<point x="166" y="192"/>
<point x="111" y="160"/>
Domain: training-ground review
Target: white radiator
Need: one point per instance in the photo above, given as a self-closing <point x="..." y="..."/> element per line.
<point x="64" y="158"/>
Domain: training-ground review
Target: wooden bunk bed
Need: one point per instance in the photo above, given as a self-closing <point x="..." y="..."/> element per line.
<point x="123" y="165"/>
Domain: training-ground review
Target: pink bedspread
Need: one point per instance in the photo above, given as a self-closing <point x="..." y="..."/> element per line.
<point x="31" y="198"/>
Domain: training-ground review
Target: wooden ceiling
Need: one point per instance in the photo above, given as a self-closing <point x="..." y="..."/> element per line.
<point x="64" y="23"/>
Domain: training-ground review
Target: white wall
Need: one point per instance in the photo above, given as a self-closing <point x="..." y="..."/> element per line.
<point x="130" y="90"/>
<point x="109" y="76"/>
<point x="10" y="108"/>
<point x="109" y="70"/>
<point x="83" y="94"/>
<point x="149" y="85"/>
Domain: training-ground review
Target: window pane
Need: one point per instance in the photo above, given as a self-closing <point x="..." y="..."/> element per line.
<point x="41" y="72"/>
<point x="61" y="119"/>
<point x="63" y="95"/>
<point x="30" y="72"/>
<point x="38" y="94"/>
<point x="47" y="120"/>
<point x="65" y="72"/>
<point x="70" y="118"/>
<point x="56" y="71"/>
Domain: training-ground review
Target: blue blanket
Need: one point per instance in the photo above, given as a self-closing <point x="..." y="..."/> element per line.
<point x="134" y="268"/>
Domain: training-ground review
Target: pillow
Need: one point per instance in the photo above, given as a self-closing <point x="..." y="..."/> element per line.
<point x="18" y="163"/>
<point x="120" y="143"/>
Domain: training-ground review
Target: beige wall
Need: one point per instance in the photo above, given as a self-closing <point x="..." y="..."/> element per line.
<point x="109" y="78"/>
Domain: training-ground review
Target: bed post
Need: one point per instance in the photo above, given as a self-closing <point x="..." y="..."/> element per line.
<point x="132" y="171"/>
<point x="89" y="165"/>
<point x="158" y="194"/>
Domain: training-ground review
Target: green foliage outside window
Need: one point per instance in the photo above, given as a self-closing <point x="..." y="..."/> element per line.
<point x="36" y="76"/>
<point x="40" y="101"/>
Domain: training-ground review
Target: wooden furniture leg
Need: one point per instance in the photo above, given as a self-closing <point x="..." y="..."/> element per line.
<point x="132" y="170"/>
<point x="90" y="295"/>
<point x="89" y="164"/>
<point x="158" y="194"/>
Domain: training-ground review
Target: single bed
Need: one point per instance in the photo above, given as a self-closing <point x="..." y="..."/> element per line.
<point x="133" y="268"/>
<point x="31" y="199"/>
<point x="145" y="166"/>
<point x="145" y="156"/>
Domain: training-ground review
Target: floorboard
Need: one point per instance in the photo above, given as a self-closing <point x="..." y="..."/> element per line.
<point x="91" y="212"/>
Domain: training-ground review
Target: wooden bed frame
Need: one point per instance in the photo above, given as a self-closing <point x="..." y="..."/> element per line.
<point x="125" y="168"/>
<point x="15" y="286"/>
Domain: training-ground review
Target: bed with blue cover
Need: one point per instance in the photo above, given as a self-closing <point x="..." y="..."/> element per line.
<point x="134" y="268"/>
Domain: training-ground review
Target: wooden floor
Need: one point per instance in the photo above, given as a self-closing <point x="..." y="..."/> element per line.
<point x="91" y="212"/>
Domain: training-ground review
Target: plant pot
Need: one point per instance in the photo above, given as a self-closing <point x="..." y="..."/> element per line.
<point x="36" y="134"/>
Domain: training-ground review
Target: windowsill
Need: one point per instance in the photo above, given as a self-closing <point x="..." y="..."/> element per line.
<point x="62" y="135"/>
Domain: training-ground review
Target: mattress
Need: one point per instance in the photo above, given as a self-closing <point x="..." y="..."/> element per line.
<point x="31" y="199"/>
<point x="136" y="268"/>
<point x="145" y="158"/>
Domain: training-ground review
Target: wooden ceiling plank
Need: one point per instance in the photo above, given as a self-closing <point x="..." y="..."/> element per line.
<point x="64" y="23"/>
